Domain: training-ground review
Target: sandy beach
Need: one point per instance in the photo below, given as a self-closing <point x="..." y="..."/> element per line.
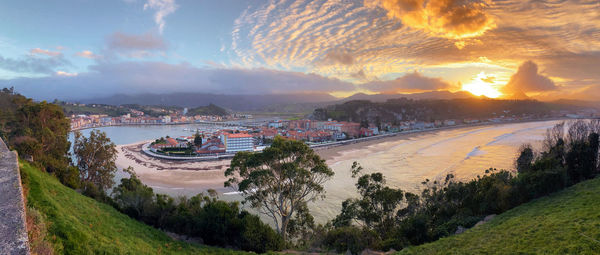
<point x="205" y="175"/>
<point x="172" y="174"/>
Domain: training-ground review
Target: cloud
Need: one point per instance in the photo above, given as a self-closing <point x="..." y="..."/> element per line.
<point x="87" y="54"/>
<point x="137" y="46"/>
<point x="147" y="41"/>
<point x="338" y="57"/>
<point x="38" y="51"/>
<point x="447" y="18"/>
<point x="163" y="8"/>
<point x="33" y="64"/>
<point x="528" y="79"/>
<point x="63" y="73"/>
<point x="412" y="82"/>
<point x="562" y="36"/>
<point x="105" y="79"/>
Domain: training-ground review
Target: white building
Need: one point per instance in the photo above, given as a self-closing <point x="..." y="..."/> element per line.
<point x="237" y="142"/>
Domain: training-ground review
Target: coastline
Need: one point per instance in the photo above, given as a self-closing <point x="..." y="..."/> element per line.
<point x="169" y="174"/>
<point x="203" y="175"/>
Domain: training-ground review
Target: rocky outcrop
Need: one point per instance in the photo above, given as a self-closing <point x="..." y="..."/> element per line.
<point x="13" y="231"/>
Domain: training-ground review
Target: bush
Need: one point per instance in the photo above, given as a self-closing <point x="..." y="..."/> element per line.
<point x="258" y="236"/>
<point x="350" y="238"/>
<point x="68" y="176"/>
<point x="216" y="222"/>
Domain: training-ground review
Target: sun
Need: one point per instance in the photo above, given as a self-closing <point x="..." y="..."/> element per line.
<point x="482" y="85"/>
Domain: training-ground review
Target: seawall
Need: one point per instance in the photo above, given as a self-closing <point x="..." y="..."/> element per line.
<point x="13" y="230"/>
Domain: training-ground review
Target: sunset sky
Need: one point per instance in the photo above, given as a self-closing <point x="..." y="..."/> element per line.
<point x="506" y="48"/>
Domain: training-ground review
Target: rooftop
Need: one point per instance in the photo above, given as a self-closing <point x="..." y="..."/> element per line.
<point x="239" y="135"/>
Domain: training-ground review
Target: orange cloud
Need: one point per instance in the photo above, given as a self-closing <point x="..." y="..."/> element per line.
<point x="411" y="82"/>
<point x="63" y="73"/>
<point x="86" y="54"/>
<point x="38" y="51"/>
<point x="528" y="79"/>
<point x="454" y="19"/>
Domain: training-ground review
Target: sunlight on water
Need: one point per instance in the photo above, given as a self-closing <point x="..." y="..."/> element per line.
<point x="465" y="152"/>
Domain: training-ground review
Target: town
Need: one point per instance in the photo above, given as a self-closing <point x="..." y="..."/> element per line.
<point x="223" y="136"/>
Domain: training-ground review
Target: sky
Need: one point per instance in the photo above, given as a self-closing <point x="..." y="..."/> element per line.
<point x="76" y="49"/>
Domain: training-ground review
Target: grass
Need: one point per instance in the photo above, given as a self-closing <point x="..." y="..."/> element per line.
<point x="567" y="222"/>
<point x="76" y="224"/>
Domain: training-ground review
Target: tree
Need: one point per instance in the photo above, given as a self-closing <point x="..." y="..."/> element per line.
<point x="41" y="132"/>
<point x="525" y="158"/>
<point x="95" y="157"/>
<point x="132" y="196"/>
<point x="197" y="140"/>
<point x="377" y="206"/>
<point x="279" y="180"/>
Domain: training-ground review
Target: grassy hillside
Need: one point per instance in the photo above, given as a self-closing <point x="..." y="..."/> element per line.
<point x="80" y="225"/>
<point x="567" y="222"/>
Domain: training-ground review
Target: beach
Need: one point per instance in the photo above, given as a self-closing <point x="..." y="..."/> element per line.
<point x="406" y="159"/>
<point x="204" y="175"/>
<point x="172" y="174"/>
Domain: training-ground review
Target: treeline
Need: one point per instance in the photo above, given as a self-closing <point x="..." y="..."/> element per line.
<point x="384" y="217"/>
<point x="38" y="131"/>
<point x="403" y="109"/>
<point x="214" y="221"/>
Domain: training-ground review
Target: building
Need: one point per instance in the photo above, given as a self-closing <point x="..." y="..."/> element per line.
<point x="237" y="142"/>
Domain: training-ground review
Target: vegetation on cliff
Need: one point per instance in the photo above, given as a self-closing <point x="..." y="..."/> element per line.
<point x="562" y="223"/>
<point x="76" y="224"/>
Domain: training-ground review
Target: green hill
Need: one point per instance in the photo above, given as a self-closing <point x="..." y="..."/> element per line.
<point x="210" y="109"/>
<point x="567" y="222"/>
<point x="76" y="224"/>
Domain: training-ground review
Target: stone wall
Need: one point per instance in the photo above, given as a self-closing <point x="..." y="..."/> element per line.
<point x="13" y="231"/>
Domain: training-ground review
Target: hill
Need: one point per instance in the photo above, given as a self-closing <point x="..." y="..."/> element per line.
<point x="286" y="103"/>
<point x="430" y="109"/>
<point x="415" y="96"/>
<point x="75" y="224"/>
<point x="565" y="222"/>
<point x="210" y="109"/>
<point x="233" y="102"/>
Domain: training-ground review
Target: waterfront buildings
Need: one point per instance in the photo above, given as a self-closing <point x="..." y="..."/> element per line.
<point x="237" y="142"/>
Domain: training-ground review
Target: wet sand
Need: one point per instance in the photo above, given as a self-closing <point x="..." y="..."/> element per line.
<point x="203" y="175"/>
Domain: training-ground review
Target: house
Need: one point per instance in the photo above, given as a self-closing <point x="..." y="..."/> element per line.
<point x="366" y="132"/>
<point x="211" y="146"/>
<point x="169" y="143"/>
<point x="237" y="142"/>
<point x="449" y="122"/>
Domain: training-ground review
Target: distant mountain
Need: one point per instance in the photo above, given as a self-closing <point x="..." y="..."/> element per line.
<point x="416" y="96"/>
<point x="284" y="103"/>
<point x="233" y="102"/>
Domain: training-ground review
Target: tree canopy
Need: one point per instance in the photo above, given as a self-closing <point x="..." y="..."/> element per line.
<point x="280" y="180"/>
<point x="95" y="156"/>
